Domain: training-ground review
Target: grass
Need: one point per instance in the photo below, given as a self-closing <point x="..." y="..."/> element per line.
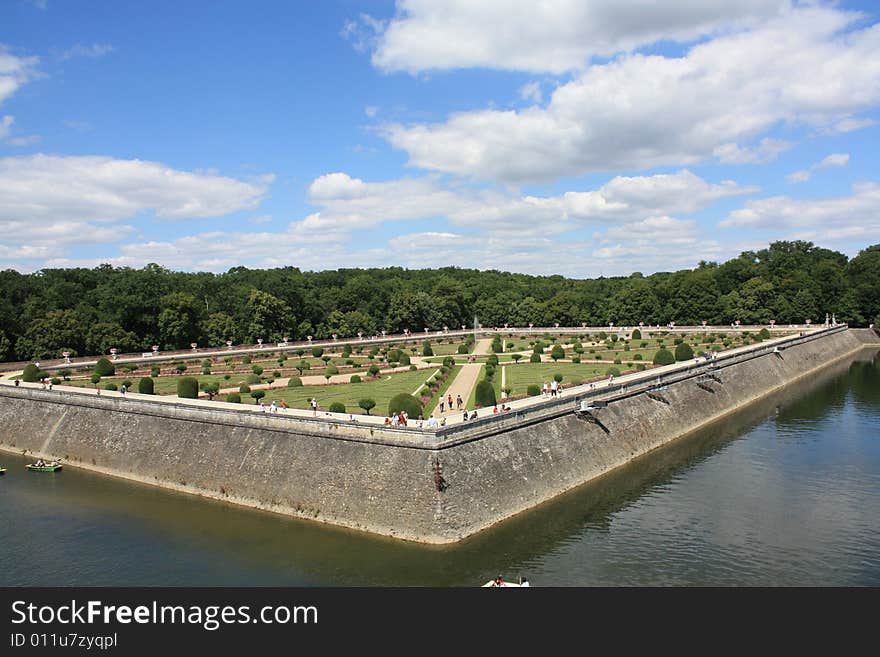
<point x="431" y="405"/>
<point x="381" y="390"/>
<point x="519" y="377"/>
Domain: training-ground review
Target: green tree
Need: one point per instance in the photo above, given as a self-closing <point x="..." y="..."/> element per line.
<point x="557" y="352"/>
<point x="219" y="327"/>
<point x="683" y="352"/>
<point x="663" y="357"/>
<point x="188" y="387"/>
<point x="268" y="316"/>
<point x="367" y="404"/>
<point x="145" y="386"/>
<point x="484" y="394"/>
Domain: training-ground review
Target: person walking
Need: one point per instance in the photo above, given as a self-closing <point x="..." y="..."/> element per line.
<point x="458" y="402"/>
<point x="314" y="405"/>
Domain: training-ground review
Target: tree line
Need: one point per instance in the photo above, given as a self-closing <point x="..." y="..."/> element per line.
<point x="88" y="311"/>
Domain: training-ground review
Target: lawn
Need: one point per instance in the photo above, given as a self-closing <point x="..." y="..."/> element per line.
<point x="380" y="390"/>
<point x="519" y="377"/>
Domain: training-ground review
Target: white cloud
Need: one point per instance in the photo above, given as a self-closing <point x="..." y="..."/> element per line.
<point x="92" y="51"/>
<point x="350" y="203"/>
<point x="6" y="126"/>
<point x="531" y="91"/>
<point x="260" y="219"/>
<point x="14" y="72"/>
<point x="814" y="67"/>
<point x="857" y="215"/>
<point x="371" y="111"/>
<point x="833" y="160"/>
<point x="94" y="188"/>
<point x="551" y="36"/>
<point x="767" y="150"/>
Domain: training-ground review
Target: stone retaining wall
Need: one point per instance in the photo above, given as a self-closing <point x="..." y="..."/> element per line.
<point x="385" y="481"/>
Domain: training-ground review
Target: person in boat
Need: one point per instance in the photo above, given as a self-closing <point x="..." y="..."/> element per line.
<point x="525" y="582"/>
<point x="499" y="581"/>
<point x="39" y="463"/>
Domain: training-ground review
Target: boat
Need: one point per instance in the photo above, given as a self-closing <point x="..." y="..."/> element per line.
<point x="499" y="583"/>
<point x="46" y="467"/>
<point x="2" y="471"/>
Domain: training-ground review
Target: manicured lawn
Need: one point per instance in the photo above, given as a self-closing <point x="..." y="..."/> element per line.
<point x="381" y="390"/>
<point x="429" y="407"/>
<point x="519" y="377"/>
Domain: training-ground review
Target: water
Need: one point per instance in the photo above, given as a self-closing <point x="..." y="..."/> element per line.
<point x="786" y="492"/>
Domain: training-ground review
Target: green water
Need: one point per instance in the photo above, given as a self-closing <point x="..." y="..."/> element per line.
<point x="785" y="492"/>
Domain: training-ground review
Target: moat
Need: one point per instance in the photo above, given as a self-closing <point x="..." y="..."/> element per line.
<point x="784" y="492"/>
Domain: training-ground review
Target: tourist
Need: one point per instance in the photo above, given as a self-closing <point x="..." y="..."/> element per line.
<point x="419" y="423"/>
<point x="442" y="404"/>
<point x="442" y="421"/>
<point x="262" y="407"/>
<point x="449" y="402"/>
<point x="122" y="390"/>
<point x="283" y="404"/>
<point x="545" y="390"/>
<point x="43" y="381"/>
<point x="395" y="420"/>
<point x="432" y="422"/>
<point x="494" y="409"/>
<point x="474" y="414"/>
<point x="98" y="391"/>
<point x="458" y="402"/>
<point x="465" y="416"/>
<point x="387" y="421"/>
<point x="498" y="581"/>
<point x="274" y="408"/>
<point x="17" y="383"/>
<point x="50" y="385"/>
<point x="352" y="418"/>
<point x="525" y="582"/>
<point x="314" y="405"/>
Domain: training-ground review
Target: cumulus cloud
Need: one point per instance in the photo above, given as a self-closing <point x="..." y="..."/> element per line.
<point x="350" y="203"/>
<point x="531" y="91"/>
<point x="42" y="189"/>
<point x="552" y="36"/>
<point x="767" y="150"/>
<point x="829" y="219"/>
<point x="813" y="67"/>
<point x="833" y="160"/>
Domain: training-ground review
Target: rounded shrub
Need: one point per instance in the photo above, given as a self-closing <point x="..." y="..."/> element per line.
<point x="145" y="386"/>
<point x="533" y="389"/>
<point x="535" y="358"/>
<point x="244" y="388"/>
<point x="258" y="395"/>
<point x="449" y="361"/>
<point x="764" y="333"/>
<point x="558" y="377"/>
<point x="612" y="371"/>
<point x="337" y="407"/>
<point x="684" y="352"/>
<point x="55" y="381"/>
<point x="355" y="378"/>
<point x="641" y="367"/>
<point x="664" y="357"/>
<point x="426" y="349"/>
<point x="294" y="382"/>
<point x="617" y="361"/>
<point x="155" y="371"/>
<point x="317" y="352"/>
<point x="404" y="359"/>
<point x="405" y="402"/>
<point x="636" y="335"/>
<point x="105" y="368"/>
<point x="111" y="386"/>
<point x="233" y="398"/>
<point x="256" y="369"/>
<point x="331" y="370"/>
<point x="188" y="387"/>
<point x="374" y="370"/>
<point x="462" y="349"/>
<point x="637" y="357"/>
<point x="576" y="359"/>
<point x="485" y="393"/>
<point x="367" y="404"/>
<point x="252" y="378"/>
<point x="95" y="378"/>
<point x="492" y="360"/>
<point x="30" y="373"/>
<point x="490" y="371"/>
<point x="246" y="360"/>
<point x="413" y="368"/>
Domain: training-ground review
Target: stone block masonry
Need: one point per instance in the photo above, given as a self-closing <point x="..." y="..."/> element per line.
<point x="427" y="487"/>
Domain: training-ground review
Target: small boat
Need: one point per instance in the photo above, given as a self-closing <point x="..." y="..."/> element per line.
<point x="46" y="467"/>
<point x="499" y="582"/>
<point x="2" y="471"/>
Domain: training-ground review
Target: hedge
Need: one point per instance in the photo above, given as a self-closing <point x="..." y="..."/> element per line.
<point x="426" y="349"/>
<point x="105" y="368"/>
<point x="485" y="393"/>
<point x="533" y="389"/>
<point x="355" y="378"/>
<point x="294" y="382"/>
<point x="405" y="402"/>
<point x="145" y="386"/>
<point x="684" y="352"/>
<point x="30" y="373"/>
<point x="244" y="388"/>
<point x="535" y="358"/>
<point x="337" y="407"/>
<point x="664" y="357"/>
<point x="188" y="387"/>
<point x="636" y="335"/>
<point x="233" y="398"/>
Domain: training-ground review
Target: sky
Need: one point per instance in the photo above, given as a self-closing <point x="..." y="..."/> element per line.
<point x="577" y="137"/>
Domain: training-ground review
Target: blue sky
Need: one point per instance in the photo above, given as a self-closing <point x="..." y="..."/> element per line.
<point x="586" y="138"/>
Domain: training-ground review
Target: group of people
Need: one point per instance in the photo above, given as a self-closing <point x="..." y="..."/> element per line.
<point x="400" y="419"/>
<point x="273" y="407"/>
<point x="447" y="403"/>
<point x="551" y="388"/>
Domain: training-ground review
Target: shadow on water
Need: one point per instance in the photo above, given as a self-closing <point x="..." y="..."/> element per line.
<point x="79" y="528"/>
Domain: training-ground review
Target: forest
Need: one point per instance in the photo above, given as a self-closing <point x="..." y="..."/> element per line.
<point x="87" y="311"/>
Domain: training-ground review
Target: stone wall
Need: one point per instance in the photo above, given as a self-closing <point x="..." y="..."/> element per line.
<point x="384" y="481"/>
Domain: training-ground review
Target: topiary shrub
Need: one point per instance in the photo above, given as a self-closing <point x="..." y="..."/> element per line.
<point x="426" y="349"/>
<point x="558" y="377"/>
<point x="533" y="389"/>
<point x="612" y="371"/>
<point x="55" y="381"/>
<point x="337" y="407"/>
<point x="664" y="357"/>
<point x="105" y="368"/>
<point x="637" y="357"/>
<point x="233" y="398"/>
<point x="641" y="367"/>
<point x="413" y="368"/>
<point x="490" y="371"/>
<point x="405" y="402"/>
<point x="636" y="335"/>
<point x="258" y="395"/>
<point x="535" y="358"/>
<point x="557" y="352"/>
<point x="244" y="388"/>
<point x="617" y="361"/>
<point x="484" y="394"/>
<point x="492" y="360"/>
<point x="449" y="361"/>
<point x="252" y="378"/>
<point x="155" y="370"/>
<point x="294" y="382"/>
<point x="462" y="349"/>
<point x="256" y="369"/>
<point x="367" y="404"/>
<point x="684" y="352"/>
<point x="29" y="375"/>
<point x="764" y="333"/>
<point x="331" y="370"/>
<point x="246" y="360"/>
<point x="374" y="370"/>
<point x="404" y="359"/>
<point x="110" y="386"/>
<point x="95" y="378"/>
<point x="576" y="359"/>
<point x="355" y="378"/>
<point x="188" y="387"/>
<point x="145" y="386"/>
